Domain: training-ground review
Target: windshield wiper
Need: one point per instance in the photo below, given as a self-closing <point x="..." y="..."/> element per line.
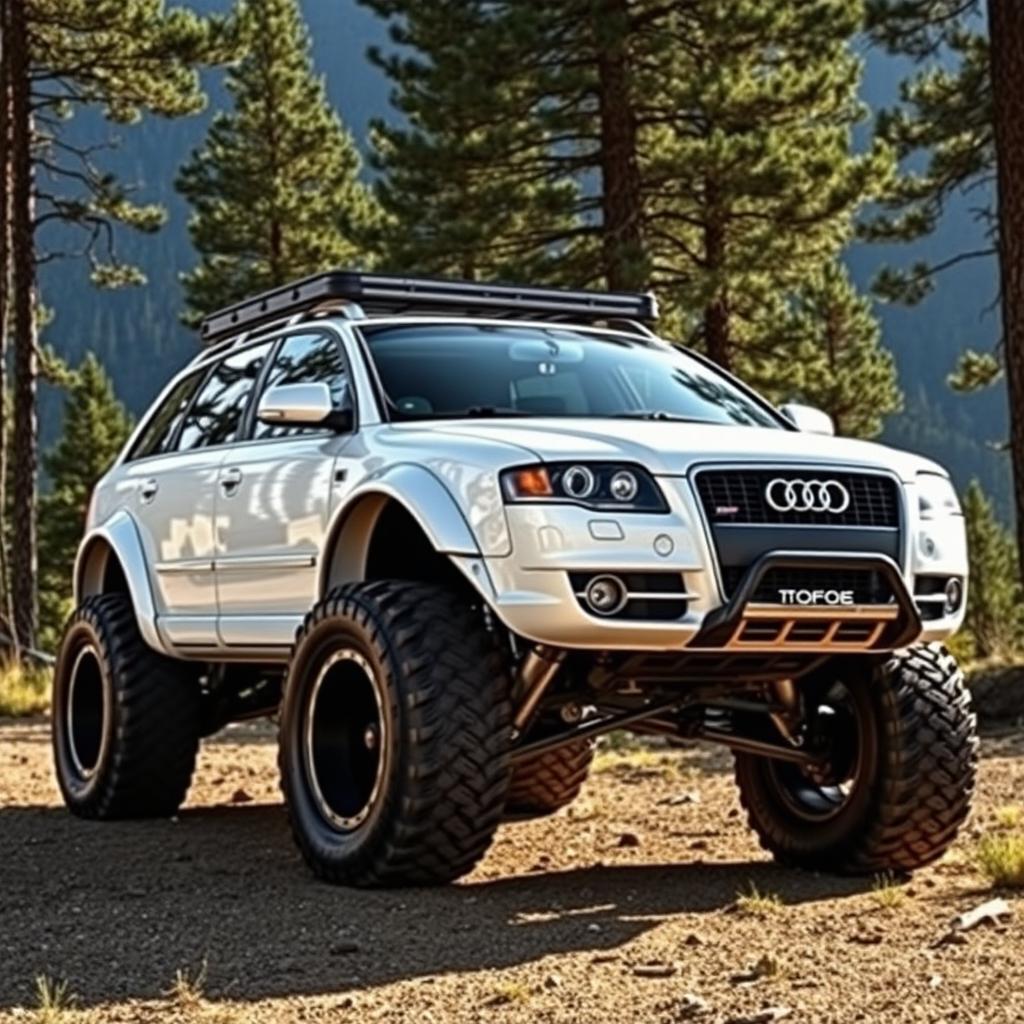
<point x="656" y="414"/>
<point x="489" y="410"/>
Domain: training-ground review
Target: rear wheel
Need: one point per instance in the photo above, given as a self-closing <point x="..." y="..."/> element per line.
<point x="395" y="736"/>
<point x="895" y="783"/>
<point x="126" y="720"/>
<point x="549" y="781"/>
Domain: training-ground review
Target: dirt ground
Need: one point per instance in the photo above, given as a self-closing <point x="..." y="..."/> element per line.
<point x="621" y="909"/>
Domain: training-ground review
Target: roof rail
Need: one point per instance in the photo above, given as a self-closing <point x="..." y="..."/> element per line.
<point x="368" y="295"/>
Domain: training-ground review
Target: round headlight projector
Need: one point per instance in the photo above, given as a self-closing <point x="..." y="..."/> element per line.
<point x="624" y="485"/>
<point x="578" y="482"/>
<point x="605" y="595"/>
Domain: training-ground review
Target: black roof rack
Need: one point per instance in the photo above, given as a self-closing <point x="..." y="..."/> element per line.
<point x="388" y="295"/>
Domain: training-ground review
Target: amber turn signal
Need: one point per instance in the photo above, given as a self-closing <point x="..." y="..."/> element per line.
<point x="533" y="482"/>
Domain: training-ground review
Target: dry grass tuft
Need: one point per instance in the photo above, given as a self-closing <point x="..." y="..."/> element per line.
<point x="1009" y="816"/>
<point x="1001" y="860"/>
<point x="188" y="988"/>
<point x="888" y="891"/>
<point x="54" y="1001"/>
<point x="510" y="992"/>
<point x="24" y="690"/>
<point x="754" y="903"/>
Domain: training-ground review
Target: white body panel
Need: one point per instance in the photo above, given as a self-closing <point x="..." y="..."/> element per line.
<point x="233" y="569"/>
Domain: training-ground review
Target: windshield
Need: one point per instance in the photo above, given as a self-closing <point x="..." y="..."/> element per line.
<point x="451" y="370"/>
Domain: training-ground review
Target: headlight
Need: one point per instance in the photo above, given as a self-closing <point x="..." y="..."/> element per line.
<point x="936" y="496"/>
<point x="605" y="486"/>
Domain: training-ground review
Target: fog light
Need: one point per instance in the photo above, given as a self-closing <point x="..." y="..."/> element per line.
<point x="954" y="595"/>
<point x="605" y="595"/>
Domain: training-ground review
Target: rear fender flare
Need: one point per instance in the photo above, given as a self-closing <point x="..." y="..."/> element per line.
<point x="119" y="538"/>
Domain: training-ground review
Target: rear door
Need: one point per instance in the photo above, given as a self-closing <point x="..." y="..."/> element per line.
<point x="170" y="496"/>
<point x="182" y="508"/>
<point x="274" y="498"/>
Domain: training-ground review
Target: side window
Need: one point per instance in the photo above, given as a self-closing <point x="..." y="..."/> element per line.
<point x="304" y="359"/>
<point x="216" y="414"/>
<point x="160" y="427"/>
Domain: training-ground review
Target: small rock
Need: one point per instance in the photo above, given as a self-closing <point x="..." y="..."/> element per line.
<point x="593" y="927"/>
<point x="694" y="939"/>
<point x="240" y="797"/>
<point x="553" y="981"/>
<point x="628" y="839"/>
<point x="654" y="970"/>
<point x="692" y="1006"/>
<point x="935" y="981"/>
<point x="605" y="958"/>
<point x="678" y="799"/>
<point x="988" y="912"/>
<point x="765" y="1016"/>
<point x="344" y="947"/>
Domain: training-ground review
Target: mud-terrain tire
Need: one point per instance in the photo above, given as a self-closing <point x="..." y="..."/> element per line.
<point x="912" y="785"/>
<point x="395" y="735"/>
<point x="549" y="781"/>
<point x="126" y="720"/>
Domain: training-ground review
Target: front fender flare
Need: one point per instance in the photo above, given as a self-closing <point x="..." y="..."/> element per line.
<point x="120" y="534"/>
<point x="421" y="494"/>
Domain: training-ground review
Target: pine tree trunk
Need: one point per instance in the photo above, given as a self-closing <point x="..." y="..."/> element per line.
<point x="6" y="605"/>
<point x="717" y="327"/>
<point x="1006" y="43"/>
<point x="23" y="526"/>
<point x="622" y="209"/>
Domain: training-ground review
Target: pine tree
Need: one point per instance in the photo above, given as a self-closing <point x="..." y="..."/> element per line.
<point x="759" y="180"/>
<point x="703" y="148"/>
<point x="994" y="620"/>
<point x="472" y="183"/>
<point x="967" y="121"/>
<point x="124" y="57"/>
<point x="275" y="191"/>
<point x="836" y="361"/>
<point x="95" y="427"/>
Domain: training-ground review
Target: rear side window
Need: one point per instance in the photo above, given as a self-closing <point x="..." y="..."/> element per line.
<point x="160" y="427"/>
<point x="216" y="414"/>
<point x="305" y="359"/>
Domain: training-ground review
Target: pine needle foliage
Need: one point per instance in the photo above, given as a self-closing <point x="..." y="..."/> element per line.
<point x="275" y="190"/>
<point x="95" y="428"/>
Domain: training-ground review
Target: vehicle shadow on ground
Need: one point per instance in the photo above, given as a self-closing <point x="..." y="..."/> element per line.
<point x="117" y="909"/>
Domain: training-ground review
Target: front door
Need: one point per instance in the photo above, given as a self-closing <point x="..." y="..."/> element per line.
<point x="274" y="498"/>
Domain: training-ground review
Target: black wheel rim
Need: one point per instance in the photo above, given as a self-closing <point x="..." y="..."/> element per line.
<point x="345" y="740"/>
<point x="838" y="731"/>
<point x="86" y="712"/>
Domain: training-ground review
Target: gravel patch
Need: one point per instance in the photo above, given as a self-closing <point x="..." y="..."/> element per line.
<point x="566" y="919"/>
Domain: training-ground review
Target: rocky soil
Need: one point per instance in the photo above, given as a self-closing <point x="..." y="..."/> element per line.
<point x="623" y="908"/>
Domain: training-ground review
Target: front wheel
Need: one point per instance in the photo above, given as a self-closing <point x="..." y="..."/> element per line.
<point x="395" y="736"/>
<point x="899" y="747"/>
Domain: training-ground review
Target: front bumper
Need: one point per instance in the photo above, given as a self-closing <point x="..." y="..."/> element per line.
<point x="534" y="594"/>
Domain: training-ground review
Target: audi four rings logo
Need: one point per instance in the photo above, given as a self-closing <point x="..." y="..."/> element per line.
<point x="807" y="496"/>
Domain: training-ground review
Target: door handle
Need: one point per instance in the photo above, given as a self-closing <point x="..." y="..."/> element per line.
<point x="229" y="480"/>
<point x="148" y="489"/>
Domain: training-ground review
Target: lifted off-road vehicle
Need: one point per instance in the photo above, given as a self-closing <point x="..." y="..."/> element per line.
<point x="453" y="532"/>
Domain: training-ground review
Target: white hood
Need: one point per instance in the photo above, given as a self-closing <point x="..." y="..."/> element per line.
<point x="672" y="449"/>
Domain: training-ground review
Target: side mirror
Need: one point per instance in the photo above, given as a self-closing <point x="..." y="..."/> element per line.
<point x="808" y="419"/>
<point x="302" y="405"/>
